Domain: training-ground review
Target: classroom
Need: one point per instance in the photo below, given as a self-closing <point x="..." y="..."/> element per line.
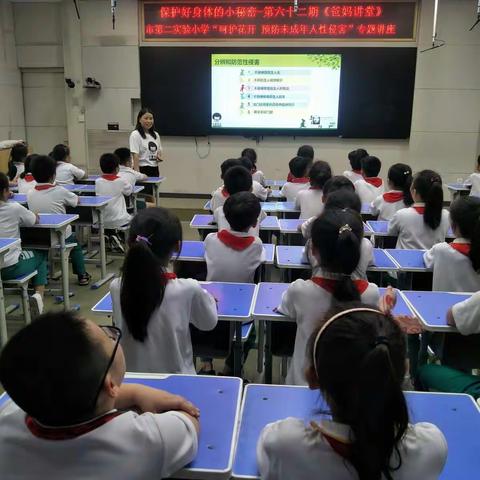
<point x="240" y="239"/>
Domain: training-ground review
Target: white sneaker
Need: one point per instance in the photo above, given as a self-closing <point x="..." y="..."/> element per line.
<point x="36" y="305"/>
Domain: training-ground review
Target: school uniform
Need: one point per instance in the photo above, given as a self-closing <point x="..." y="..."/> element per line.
<point x="291" y="188"/>
<point x="293" y="449"/>
<point x="168" y="347"/>
<point x="67" y="173"/>
<point x="259" y="177"/>
<point x="222" y="223"/>
<point x="259" y="190"/>
<point x="353" y="175"/>
<point x="115" y="213"/>
<point x="413" y="232"/>
<point x="310" y="202"/>
<point x="116" y="445"/>
<point x="20" y="166"/>
<point x="474" y="181"/>
<point x="386" y="205"/>
<point x="369" y="188"/>
<point x="233" y="256"/>
<point x="219" y="197"/>
<point x="130" y="175"/>
<point x="26" y="184"/>
<point x="305" y="302"/>
<point x="452" y="267"/>
<point x="467" y="315"/>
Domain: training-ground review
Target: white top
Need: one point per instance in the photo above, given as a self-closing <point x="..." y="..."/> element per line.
<point x="168" y="347"/>
<point x="130" y="175"/>
<point x="352" y="176"/>
<point x="413" y="232"/>
<point x="129" y="446"/>
<point x="452" y="270"/>
<point x="259" y="177"/>
<point x="386" y="210"/>
<point x="67" y="173"/>
<point x="259" y="191"/>
<point x="146" y="148"/>
<point x="467" y="315"/>
<point x="368" y="192"/>
<point x="224" y="264"/>
<point x="474" y="181"/>
<point x="12" y="217"/>
<point x="218" y="199"/>
<point x="115" y="213"/>
<point x="222" y="223"/>
<point x="20" y="166"/>
<point x="289" y="449"/>
<point x="24" y="187"/>
<point x="306" y="302"/>
<point x="309" y="202"/>
<point x="290" y="190"/>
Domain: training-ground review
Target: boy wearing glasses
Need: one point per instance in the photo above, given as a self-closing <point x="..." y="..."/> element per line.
<point x="71" y="416"/>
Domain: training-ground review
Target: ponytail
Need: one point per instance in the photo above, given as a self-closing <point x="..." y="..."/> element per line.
<point x="428" y="184"/>
<point x="348" y="252"/>
<point x="400" y="176"/>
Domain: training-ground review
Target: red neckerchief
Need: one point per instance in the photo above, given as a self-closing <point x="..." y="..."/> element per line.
<point x="299" y="179"/>
<point x="393" y="197"/>
<point x="289" y="177"/>
<point x="315" y="188"/>
<point x="375" y="181"/>
<point x="169" y="276"/>
<point x="358" y="172"/>
<point x="328" y="284"/>
<point x="67" y="433"/>
<point x="110" y="176"/>
<point x="28" y="177"/>
<point x="463" y="248"/>
<point x="419" y="209"/>
<point x="225" y="193"/>
<point x="234" y="242"/>
<point x="44" y="187"/>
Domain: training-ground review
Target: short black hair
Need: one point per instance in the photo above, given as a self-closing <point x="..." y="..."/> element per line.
<point x="124" y="155"/>
<point x="338" y="182"/>
<point x="355" y="158"/>
<point x="250" y="153"/>
<point x="237" y="179"/>
<point x="228" y="163"/>
<point x="52" y="369"/>
<point x="247" y="163"/>
<point x="60" y="152"/>
<point x="4" y="183"/>
<point x="344" y="198"/>
<point x="320" y="173"/>
<point x="371" y="166"/>
<point x="306" y="151"/>
<point x="109" y="163"/>
<point x="242" y="210"/>
<point x="43" y="169"/>
<point x="299" y="166"/>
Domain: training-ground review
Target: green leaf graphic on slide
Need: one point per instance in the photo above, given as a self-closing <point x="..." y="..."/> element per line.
<point x="330" y="61"/>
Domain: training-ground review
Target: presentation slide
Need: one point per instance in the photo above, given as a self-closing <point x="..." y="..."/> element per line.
<point x="290" y="91"/>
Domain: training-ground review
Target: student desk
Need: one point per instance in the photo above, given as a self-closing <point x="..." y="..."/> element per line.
<point x="5" y="245"/>
<point x="206" y="222"/>
<point x="273" y="196"/>
<point x="279" y="207"/>
<point x="90" y="189"/>
<point x="50" y="233"/>
<point x="19" y="198"/>
<point x="275" y="183"/>
<point x="218" y="399"/>
<point x="380" y="229"/>
<point x="458" y="189"/>
<point x="408" y="260"/>
<point x="457" y="416"/>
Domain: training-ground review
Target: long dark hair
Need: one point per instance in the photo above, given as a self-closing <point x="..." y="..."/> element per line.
<point x="139" y="127"/>
<point x="428" y="184"/>
<point x="400" y="175"/>
<point x="154" y="235"/>
<point x="465" y="215"/>
<point x="337" y="236"/>
<point x="18" y="153"/>
<point x="359" y="362"/>
<point x="60" y="152"/>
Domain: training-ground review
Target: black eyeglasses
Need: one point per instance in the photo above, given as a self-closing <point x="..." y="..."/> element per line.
<point x="115" y="334"/>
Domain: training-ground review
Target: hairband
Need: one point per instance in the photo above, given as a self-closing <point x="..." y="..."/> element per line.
<point x="141" y="238"/>
<point x="345" y="228"/>
<point x="378" y="341"/>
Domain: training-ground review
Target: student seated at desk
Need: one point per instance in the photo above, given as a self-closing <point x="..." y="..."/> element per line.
<point x="336" y="238"/>
<point x="48" y="197"/>
<point x="66" y="173"/>
<point x="151" y="305"/>
<point x="78" y="416"/>
<point x="126" y="172"/>
<point x="257" y="189"/>
<point x="26" y="182"/>
<point x="398" y="196"/>
<point x="220" y="194"/>
<point x="474" y="180"/>
<point x="237" y="179"/>
<point x="16" y="163"/>
<point x="371" y="185"/>
<point x="355" y="159"/>
<point x="18" y="262"/>
<point x="356" y="357"/>
<point x="425" y="222"/>
<point x="305" y="151"/>
<point x="298" y="178"/>
<point x="257" y="175"/>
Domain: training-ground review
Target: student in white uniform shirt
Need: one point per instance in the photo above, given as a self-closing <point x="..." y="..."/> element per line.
<point x="48" y="197"/>
<point x="355" y="159"/>
<point x="151" y="305"/>
<point x="474" y="180"/>
<point x="371" y="185"/>
<point x="257" y="189"/>
<point x="26" y="182"/>
<point x="126" y="171"/>
<point x="220" y="194"/>
<point x="426" y="222"/>
<point x="67" y="173"/>
<point x="398" y="196"/>
<point x="16" y="163"/>
<point x="111" y="184"/>
<point x="257" y="175"/>
<point x="310" y="201"/>
<point x="456" y="265"/>
<point x="356" y="358"/>
<point x="297" y="179"/>
<point x="80" y="417"/>
<point x="336" y="237"/>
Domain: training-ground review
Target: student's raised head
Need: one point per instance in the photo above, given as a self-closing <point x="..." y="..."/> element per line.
<point x="336" y="239"/>
<point x="228" y="163"/>
<point x="241" y="211"/>
<point x="343" y="198"/>
<point x="237" y="179"/>
<point x="251" y="154"/>
<point x="427" y="188"/>
<point x="154" y="235"/>
<point x="400" y="178"/>
<point x="355" y="159"/>
<point x="356" y="358"/>
<point x="337" y="182"/>
<point x="28" y="164"/>
<point x="18" y="153"/>
<point x="44" y="169"/>
<point x="124" y="156"/>
<point x="320" y="173"/>
<point x="55" y="369"/>
<point x="109" y="163"/>
<point x="306" y="151"/>
<point x="465" y="220"/>
<point x="60" y="153"/>
<point x="371" y="166"/>
<point x="299" y="166"/>
<point x="4" y="187"/>
<point x="247" y="163"/>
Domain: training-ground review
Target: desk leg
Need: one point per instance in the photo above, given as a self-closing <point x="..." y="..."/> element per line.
<point x="268" y="352"/>
<point x="260" y="345"/>
<point x="156" y="191"/>
<point x="103" y="253"/>
<point x="65" y="273"/>
<point x="3" y="317"/>
<point x="238" y="351"/>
